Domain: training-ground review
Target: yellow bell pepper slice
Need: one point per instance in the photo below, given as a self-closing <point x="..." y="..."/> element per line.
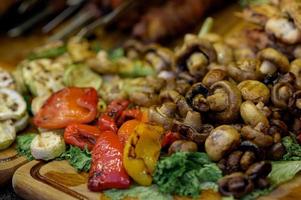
<point x="142" y="151"/>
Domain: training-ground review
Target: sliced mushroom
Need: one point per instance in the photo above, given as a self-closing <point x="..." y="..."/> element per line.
<point x="224" y="102"/>
<point x="247" y="69"/>
<point x="295" y="68"/>
<point x="221" y="140"/>
<point x="195" y="54"/>
<point x="236" y="184"/>
<point x="272" y="61"/>
<point x="252" y="115"/>
<point x="254" y="91"/>
<point x="214" y="76"/>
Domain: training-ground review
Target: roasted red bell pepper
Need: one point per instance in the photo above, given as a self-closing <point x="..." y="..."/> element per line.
<point x="129" y="114"/>
<point x="81" y="135"/>
<point x="169" y="138"/>
<point x="107" y="170"/>
<point x="67" y="106"/>
<point x="107" y="121"/>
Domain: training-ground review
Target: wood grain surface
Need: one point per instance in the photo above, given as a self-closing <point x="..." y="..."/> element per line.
<point x="9" y="162"/>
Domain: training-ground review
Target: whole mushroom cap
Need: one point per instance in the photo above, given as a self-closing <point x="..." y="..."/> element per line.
<point x="221" y="140"/>
<point x="254" y="91"/>
<point x="193" y="44"/>
<point x="225" y="101"/>
<point x="275" y="57"/>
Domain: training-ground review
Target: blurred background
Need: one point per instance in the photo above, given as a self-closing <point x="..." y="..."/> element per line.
<point x="25" y="24"/>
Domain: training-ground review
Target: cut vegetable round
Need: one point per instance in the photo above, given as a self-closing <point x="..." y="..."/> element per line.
<point x="12" y="104"/>
<point x="81" y="76"/>
<point x="7" y="134"/>
<point x="47" y="146"/>
<point x="21" y="123"/>
<point x="43" y="76"/>
<point x="6" y="80"/>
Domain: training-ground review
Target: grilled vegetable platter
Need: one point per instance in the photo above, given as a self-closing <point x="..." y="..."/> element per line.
<point x="151" y="122"/>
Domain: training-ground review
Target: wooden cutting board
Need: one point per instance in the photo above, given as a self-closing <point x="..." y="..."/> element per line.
<point x="9" y="162"/>
<point x="38" y="180"/>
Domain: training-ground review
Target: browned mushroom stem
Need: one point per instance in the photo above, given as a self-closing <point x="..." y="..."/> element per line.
<point x="195" y="55"/>
<point x="159" y="57"/>
<point x="182" y="146"/>
<point x="196" y="97"/>
<point x="214" y="76"/>
<point x="221" y="141"/>
<point x="224" y="102"/>
<point x="254" y="91"/>
<point x="247" y="69"/>
<point x="236" y="184"/>
<point x="272" y="61"/>
<point x="259" y="170"/>
<point x="257" y="137"/>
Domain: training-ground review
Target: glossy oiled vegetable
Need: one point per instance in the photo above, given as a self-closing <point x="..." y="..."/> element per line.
<point x="67" y="106"/>
<point x="141" y="152"/>
<point x="107" y="170"/>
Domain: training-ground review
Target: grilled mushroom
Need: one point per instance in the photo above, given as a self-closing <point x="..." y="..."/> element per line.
<point x="224" y="102"/>
<point x="281" y="93"/>
<point x="221" y="140"/>
<point x="236" y="184"/>
<point x="295" y="68"/>
<point x="195" y="55"/>
<point x="272" y="61"/>
<point x="247" y="69"/>
<point x="254" y="91"/>
<point x="196" y="97"/>
<point x="252" y="115"/>
<point x="159" y="57"/>
<point x="214" y="76"/>
<point x="182" y="146"/>
<point x="256" y="136"/>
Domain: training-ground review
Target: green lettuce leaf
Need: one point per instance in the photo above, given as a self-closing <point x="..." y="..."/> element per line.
<point x="139" y="192"/>
<point x="77" y="158"/>
<point x="283" y="171"/>
<point x="293" y="149"/>
<point x="23" y="145"/>
<point x="185" y="173"/>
